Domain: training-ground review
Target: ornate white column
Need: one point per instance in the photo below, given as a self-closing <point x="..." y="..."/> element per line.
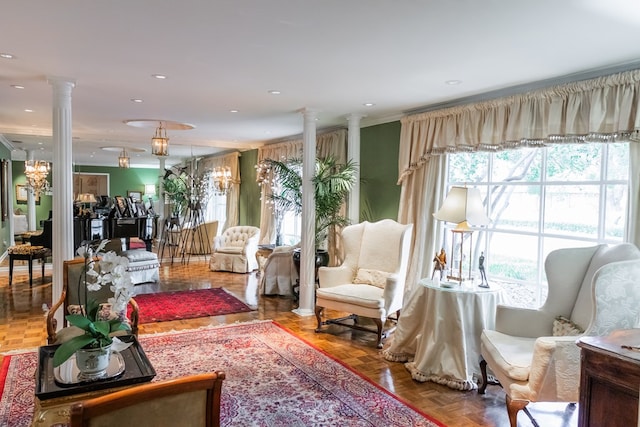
<point x="353" y="153"/>
<point x="308" y="246"/>
<point x="31" y="202"/>
<point x="62" y="171"/>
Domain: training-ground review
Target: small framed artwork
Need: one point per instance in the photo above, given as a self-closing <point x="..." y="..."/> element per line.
<point x="141" y="208"/>
<point x="131" y="205"/>
<point x="121" y="206"/>
<point x="21" y="195"/>
<point x="135" y="195"/>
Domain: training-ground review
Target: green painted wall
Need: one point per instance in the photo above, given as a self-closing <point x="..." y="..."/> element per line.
<point x="379" y="194"/>
<point x="120" y="182"/>
<point x="123" y="180"/>
<point x="249" y="190"/>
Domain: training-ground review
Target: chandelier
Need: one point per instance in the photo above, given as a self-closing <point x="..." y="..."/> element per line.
<point x="221" y="180"/>
<point x="36" y="172"/>
<point x="123" y="159"/>
<point x="160" y="142"/>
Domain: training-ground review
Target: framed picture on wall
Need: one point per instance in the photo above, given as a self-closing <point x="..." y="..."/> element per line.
<point x="136" y="196"/>
<point x="22" y="194"/>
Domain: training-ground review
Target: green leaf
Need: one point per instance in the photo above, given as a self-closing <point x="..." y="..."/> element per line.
<point x="79" y="321"/>
<point x="67" y="349"/>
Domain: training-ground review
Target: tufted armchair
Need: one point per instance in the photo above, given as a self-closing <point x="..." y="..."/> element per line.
<point x="533" y="353"/>
<point x="371" y="280"/>
<point x="235" y="250"/>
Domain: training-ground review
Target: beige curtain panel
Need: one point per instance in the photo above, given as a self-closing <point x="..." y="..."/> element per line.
<point x="603" y="109"/>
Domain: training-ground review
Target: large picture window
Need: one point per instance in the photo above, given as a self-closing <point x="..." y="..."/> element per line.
<point x="541" y="199"/>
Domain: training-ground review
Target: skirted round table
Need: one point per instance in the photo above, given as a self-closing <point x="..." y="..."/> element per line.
<point x="438" y="333"/>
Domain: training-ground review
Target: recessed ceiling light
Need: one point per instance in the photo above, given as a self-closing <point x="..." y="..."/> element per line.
<point x="275" y="92"/>
<point x="158" y="76"/>
<point x="17" y="86"/>
<point x="137" y="100"/>
<point x="40" y="143"/>
<point x="28" y="110"/>
<point x="368" y="104"/>
<point x="233" y="111"/>
<point x="7" y="56"/>
<point x="453" y="82"/>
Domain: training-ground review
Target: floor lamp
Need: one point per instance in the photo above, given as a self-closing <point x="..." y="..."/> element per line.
<point x="462" y="206"/>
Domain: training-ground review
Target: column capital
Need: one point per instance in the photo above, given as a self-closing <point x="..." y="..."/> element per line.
<point x="355" y="117"/>
<point x="61" y="81"/>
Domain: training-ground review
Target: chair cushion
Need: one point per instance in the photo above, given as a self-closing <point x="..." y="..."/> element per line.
<point x="511" y="355"/>
<point x="137" y="255"/>
<point x="231" y="250"/>
<point x="372" y="277"/>
<point x="357" y="294"/>
<point x="26" y="249"/>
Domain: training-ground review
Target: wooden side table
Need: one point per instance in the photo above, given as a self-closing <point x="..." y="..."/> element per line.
<point x="609" y="380"/>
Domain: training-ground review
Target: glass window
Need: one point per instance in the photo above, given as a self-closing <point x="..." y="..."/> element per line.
<point x="539" y="200"/>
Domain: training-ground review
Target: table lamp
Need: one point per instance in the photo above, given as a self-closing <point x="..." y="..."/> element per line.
<point x="463" y="207"/>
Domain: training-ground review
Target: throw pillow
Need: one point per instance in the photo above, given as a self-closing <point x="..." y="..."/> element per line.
<point x="372" y="277"/>
<point x="565" y="327"/>
<point x="105" y="313"/>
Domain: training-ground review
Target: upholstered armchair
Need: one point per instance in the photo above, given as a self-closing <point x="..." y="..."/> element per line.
<point x="371" y="280"/>
<point x="73" y="294"/>
<point x="533" y="353"/>
<point x="235" y="250"/>
<point x="188" y="401"/>
<point x="279" y="273"/>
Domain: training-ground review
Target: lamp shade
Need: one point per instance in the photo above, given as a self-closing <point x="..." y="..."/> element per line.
<point x="86" y="198"/>
<point x="463" y="205"/>
<point x="150" y="189"/>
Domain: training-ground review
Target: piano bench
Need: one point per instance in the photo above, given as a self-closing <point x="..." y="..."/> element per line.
<point x="143" y="265"/>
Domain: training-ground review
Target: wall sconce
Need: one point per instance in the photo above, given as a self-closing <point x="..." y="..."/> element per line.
<point x="160" y="142"/>
<point x="221" y="180"/>
<point x="462" y="206"/>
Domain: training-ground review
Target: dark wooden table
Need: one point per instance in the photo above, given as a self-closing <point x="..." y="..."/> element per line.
<point x="609" y="379"/>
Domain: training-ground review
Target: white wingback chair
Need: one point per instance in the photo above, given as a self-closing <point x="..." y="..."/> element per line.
<point x="235" y="250"/>
<point x="533" y="353"/>
<point x="371" y="280"/>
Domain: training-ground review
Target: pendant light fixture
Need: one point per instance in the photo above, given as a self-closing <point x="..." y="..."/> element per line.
<point x="123" y="159"/>
<point x="160" y="142"/>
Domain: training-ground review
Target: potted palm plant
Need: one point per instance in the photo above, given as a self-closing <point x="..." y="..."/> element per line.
<point x="332" y="182"/>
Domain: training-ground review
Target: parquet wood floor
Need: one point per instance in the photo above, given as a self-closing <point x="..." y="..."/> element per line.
<point x="22" y="326"/>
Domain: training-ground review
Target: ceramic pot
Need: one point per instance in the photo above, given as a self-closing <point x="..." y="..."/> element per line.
<point x="93" y="362"/>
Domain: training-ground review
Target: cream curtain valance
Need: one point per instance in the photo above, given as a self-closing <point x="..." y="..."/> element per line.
<point x="598" y="110"/>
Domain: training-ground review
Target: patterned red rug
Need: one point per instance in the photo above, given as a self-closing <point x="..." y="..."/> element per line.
<point x="273" y="378"/>
<point x="177" y="305"/>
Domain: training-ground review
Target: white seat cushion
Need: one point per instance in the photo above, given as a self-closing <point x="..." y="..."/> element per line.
<point x="363" y="295"/>
<point x="231" y="250"/>
<point x="509" y="354"/>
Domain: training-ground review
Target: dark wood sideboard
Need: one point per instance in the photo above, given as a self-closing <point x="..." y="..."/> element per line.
<point x="609" y="380"/>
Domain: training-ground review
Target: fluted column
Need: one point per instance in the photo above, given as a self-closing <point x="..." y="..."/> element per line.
<point x="31" y="202"/>
<point x="353" y="152"/>
<point x="161" y="206"/>
<point x="62" y="171"/>
<point x="308" y="247"/>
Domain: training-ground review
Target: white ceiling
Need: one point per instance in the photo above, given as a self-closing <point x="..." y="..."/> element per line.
<point x="332" y="56"/>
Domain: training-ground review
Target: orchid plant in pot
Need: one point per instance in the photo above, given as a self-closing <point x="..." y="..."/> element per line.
<point x="97" y="321"/>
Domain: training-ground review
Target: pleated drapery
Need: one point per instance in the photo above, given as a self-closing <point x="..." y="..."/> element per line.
<point x="604" y="109"/>
<point x="231" y="161"/>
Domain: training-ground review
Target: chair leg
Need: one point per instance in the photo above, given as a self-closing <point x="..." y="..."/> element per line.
<point x="378" y="323"/>
<point x="513" y="406"/>
<point x="10" y="270"/>
<point x="319" y="311"/>
<point x="483" y="370"/>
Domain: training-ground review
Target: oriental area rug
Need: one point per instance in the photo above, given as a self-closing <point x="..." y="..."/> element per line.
<point x="176" y="305"/>
<point x="273" y="378"/>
